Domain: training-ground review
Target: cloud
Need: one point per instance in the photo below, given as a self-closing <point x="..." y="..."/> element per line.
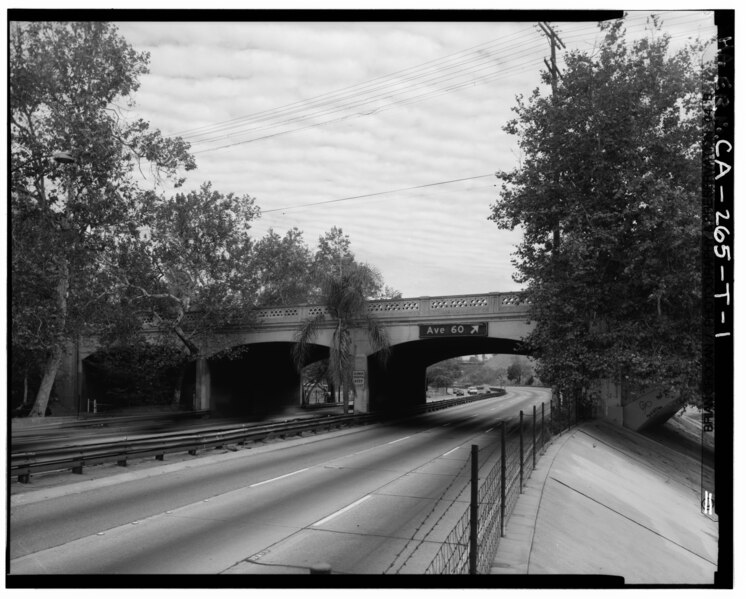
<point x="233" y="82"/>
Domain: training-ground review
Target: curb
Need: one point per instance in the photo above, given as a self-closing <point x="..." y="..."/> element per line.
<point x="514" y="550"/>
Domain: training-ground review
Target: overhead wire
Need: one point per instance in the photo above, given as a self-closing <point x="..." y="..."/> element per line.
<point x="571" y="35"/>
<point x="324" y="98"/>
<point x="433" y="79"/>
<point x="484" y="78"/>
<point x="360" y="104"/>
<point x="405" y="101"/>
<point x="356" y="87"/>
<point x="378" y="193"/>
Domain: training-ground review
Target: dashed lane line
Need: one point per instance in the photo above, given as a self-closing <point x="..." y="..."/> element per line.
<point x="270" y="480"/>
<point x="339" y="512"/>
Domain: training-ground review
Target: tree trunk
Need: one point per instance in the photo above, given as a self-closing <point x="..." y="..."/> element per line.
<point x="47" y="381"/>
<point x="345" y="398"/>
<point x="55" y="355"/>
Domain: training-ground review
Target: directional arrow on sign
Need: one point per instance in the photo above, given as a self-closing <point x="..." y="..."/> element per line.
<point x="474" y="328"/>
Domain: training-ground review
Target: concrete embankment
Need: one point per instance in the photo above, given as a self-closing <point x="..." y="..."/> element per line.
<point x="606" y="500"/>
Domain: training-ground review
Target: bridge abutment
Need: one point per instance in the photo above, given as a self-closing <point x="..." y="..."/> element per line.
<point x="633" y="410"/>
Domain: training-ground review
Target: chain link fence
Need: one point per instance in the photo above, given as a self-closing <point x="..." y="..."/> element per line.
<point x="498" y="491"/>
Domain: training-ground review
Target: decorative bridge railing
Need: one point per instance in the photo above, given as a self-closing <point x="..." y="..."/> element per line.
<point x="488" y="304"/>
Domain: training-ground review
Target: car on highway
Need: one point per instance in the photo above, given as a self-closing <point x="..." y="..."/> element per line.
<point x="473" y="391"/>
<point x="458" y="392"/>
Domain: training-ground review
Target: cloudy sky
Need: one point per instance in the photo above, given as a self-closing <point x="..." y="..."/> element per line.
<point x="305" y="115"/>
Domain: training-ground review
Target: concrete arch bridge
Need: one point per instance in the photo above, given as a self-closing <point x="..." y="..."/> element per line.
<point x="422" y="331"/>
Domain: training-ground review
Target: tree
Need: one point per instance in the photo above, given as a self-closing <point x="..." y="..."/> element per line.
<point x="443" y="374"/>
<point x="334" y="254"/>
<point x="515" y="371"/>
<point x="66" y="82"/>
<point x="284" y="268"/>
<point x="345" y="299"/>
<point x="612" y="160"/>
<point x="193" y="255"/>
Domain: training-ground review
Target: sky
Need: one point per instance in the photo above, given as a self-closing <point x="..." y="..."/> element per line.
<point x="304" y="115"/>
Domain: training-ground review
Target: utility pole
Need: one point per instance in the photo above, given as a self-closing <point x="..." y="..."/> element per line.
<point x="554" y="43"/>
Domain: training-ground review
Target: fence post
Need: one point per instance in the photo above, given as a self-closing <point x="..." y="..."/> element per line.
<point x="473" y="521"/>
<point x="502" y="479"/>
<point x="551" y="422"/>
<point x="520" y="428"/>
<point x="533" y="438"/>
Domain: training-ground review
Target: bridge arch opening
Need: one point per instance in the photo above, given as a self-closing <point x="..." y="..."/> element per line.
<point x="402" y="381"/>
<point x="258" y="380"/>
<point x="136" y="377"/>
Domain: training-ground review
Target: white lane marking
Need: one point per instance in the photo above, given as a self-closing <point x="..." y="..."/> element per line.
<point x="397" y="440"/>
<point x="447" y="452"/>
<point x="342" y="511"/>
<point x="264" y="482"/>
<point x="489" y="429"/>
<point x="447" y="424"/>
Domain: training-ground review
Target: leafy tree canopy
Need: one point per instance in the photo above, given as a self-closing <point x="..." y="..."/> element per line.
<point x="444" y="374"/>
<point x="612" y="160"/>
<point x="69" y="211"/>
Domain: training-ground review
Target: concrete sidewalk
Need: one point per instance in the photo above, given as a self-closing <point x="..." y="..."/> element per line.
<point x="607" y="500"/>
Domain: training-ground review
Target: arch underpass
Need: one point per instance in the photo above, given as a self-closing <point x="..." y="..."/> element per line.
<point x="401" y="382"/>
<point x="261" y="380"/>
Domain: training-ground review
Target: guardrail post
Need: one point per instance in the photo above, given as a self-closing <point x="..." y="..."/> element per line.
<point x="551" y="422"/>
<point x="474" y="515"/>
<point x="503" y="470"/>
<point x="520" y="430"/>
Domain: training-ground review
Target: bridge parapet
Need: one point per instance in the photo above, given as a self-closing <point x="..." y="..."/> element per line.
<point x="404" y="308"/>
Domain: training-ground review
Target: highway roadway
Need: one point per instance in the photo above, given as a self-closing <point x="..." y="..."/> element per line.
<point x="370" y="500"/>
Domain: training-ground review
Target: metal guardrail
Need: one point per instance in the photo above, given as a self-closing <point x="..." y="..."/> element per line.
<point x="109" y="421"/>
<point x="76" y="457"/>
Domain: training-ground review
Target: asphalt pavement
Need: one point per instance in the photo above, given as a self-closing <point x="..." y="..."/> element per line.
<point x="366" y="500"/>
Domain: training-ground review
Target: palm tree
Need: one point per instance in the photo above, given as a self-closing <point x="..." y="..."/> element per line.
<point x="343" y="293"/>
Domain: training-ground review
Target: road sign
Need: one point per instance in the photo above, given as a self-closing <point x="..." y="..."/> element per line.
<point x="358" y="377"/>
<point x="471" y="329"/>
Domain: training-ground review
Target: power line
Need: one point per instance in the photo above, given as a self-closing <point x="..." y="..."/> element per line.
<point x="363" y="85"/>
<point x="480" y="64"/>
<point x="404" y="101"/>
<point x="428" y="95"/>
<point x="355" y="90"/>
<point x="379" y="193"/>
<point x="387" y="91"/>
